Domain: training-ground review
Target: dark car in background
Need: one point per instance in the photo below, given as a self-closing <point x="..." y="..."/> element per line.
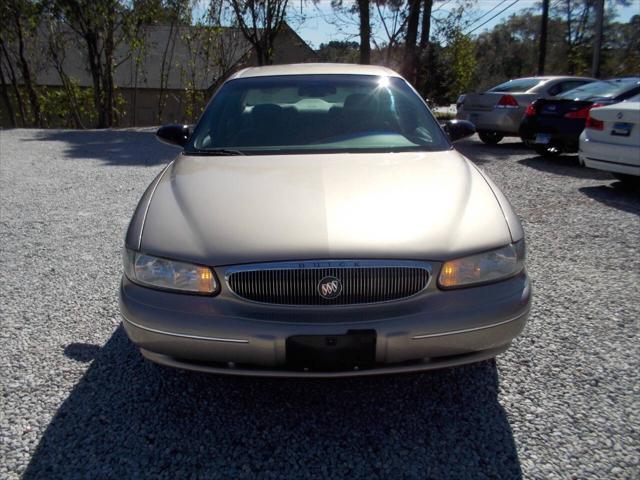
<point x="553" y="126"/>
<point x="497" y="112"/>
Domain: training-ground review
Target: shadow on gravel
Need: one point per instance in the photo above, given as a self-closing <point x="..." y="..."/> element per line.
<point x="481" y="153"/>
<point x="128" y="418"/>
<point x="616" y="195"/>
<point x="81" y="352"/>
<point x="115" y="147"/>
<point x="566" y="165"/>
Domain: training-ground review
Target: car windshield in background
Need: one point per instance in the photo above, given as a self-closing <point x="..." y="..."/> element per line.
<point x="310" y="113"/>
<point x="520" y="85"/>
<point x="603" y="89"/>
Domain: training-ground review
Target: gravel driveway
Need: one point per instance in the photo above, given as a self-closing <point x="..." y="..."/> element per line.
<point x="78" y="401"/>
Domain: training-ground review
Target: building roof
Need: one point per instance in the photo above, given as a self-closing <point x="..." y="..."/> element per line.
<point x="316" y="69"/>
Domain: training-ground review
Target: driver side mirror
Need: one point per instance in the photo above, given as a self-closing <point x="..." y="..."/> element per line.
<point x="459" y="129"/>
<point x="173" y="134"/>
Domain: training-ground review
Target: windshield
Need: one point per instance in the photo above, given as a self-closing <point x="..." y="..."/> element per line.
<point x="603" y="89"/>
<point x="519" y="85"/>
<point x="309" y="113"/>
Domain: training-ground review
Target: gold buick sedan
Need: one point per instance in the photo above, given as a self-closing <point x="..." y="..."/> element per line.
<point x="318" y="222"/>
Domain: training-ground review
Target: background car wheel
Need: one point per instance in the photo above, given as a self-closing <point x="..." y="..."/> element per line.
<point x="628" y="180"/>
<point x="547" y="150"/>
<point x="490" y="138"/>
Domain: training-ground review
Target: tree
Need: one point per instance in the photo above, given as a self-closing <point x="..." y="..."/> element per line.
<point x="410" y="58"/>
<point x="355" y="15"/>
<point x="14" y="80"/>
<point x="57" y="41"/>
<point x="213" y="51"/>
<point x="423" y="67"/>
<point x="177" y="12"/>
<point x="98" y="24"/>
<point x="364" y="14"/>
<point x="260" y="22"/>
<point x="462" y="58"/>
<point x="5" y="98"/>
<point x="21" y="17"/>
<point x="392" y="16"/>
<point x="339" y="52"/>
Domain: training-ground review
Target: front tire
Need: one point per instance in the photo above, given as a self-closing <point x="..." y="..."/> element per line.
<point x="490" y="138"/>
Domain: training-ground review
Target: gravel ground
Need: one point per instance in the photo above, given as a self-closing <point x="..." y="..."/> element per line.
<point x="78" y="401"/>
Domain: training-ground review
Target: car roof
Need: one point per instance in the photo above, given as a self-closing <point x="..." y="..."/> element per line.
<point x="623" y="79"/>
<point x="315" y="69"/>
<point x="547" y="78"/>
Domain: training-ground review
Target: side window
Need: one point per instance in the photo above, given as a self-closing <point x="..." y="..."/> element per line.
<point x="565" y="86"/>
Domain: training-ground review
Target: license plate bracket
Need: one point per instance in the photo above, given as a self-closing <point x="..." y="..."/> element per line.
<point x="622" y="129"/>
<point x="356" y="348"/>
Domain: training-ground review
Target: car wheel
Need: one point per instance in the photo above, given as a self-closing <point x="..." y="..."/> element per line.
<point x="490" y="138"/>
<point x="547" y="150"/>
<point x="628" y="180"/>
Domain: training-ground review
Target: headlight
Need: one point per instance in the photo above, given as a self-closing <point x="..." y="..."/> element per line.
<point x="166" y="274"/>
<point x="483" y="267"/>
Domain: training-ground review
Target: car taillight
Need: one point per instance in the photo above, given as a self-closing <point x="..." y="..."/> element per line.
<point x="583" y="112"/>
<point x="530" y="111"/>
<point x="594" y="124"/>
<point x="507" y="101"/>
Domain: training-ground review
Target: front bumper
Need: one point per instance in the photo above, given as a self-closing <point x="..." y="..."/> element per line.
<point x="224" y="334"/>
<point x="610" y="157"/>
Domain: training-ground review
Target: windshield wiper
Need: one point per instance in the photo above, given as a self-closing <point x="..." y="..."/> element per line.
<point x="218" y="151"/>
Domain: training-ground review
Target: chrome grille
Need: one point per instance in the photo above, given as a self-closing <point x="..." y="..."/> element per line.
<point x="297" y="283"/>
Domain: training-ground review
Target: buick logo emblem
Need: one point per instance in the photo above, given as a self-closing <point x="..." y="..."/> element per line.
<point x="620" y="115"/>
<point x="330" y="287"/>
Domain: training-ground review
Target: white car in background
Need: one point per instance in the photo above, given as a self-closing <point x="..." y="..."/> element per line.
<point x="611" y="140"/>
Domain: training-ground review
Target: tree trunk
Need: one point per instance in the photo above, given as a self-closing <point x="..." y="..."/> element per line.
<point x="14" y="83"/>
<point x="409" y="60"/>
<point x="166" y="65"/>
<point x="66" y="83"/>
<point x="422" y="72"/>
<point x="95" y="69"/>
<point x="597" y="42"/>
<point x="6" y="99"/>
<point x="26" y="75"/>
<point x="365" y="31"/>
<point x="542" y="48"/>
<point x="570" y="54"/>
<point x="107" y="72"/>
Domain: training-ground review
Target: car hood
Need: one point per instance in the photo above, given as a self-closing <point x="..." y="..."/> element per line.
<point x="219" y="210"/>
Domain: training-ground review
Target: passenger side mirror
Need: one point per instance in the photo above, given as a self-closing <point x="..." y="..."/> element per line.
<point x="459" y="129"/>
<point x="173" y="134"/>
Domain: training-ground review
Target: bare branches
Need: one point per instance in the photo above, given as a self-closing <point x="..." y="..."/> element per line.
<point x="260" y="21"/>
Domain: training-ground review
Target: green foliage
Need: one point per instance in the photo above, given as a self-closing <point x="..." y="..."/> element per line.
<point x="339" y="52"/>
<point x="58" y="105"/>
<point x="462" y="58"/>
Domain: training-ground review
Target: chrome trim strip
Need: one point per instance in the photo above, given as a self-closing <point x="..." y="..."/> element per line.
<point x="182" y="335"/>
<point x="317" y="264"/>
<point x="467" y="330"/>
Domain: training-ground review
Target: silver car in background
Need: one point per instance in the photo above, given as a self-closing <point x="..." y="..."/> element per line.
<point x="318" y="222"/>
<point x="497" y="112"/>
